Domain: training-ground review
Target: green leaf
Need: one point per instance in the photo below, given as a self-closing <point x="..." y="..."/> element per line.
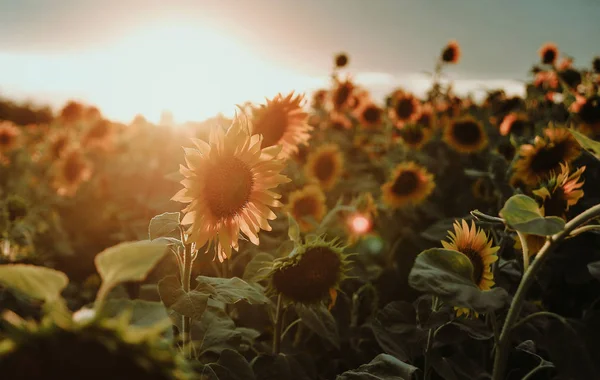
<point x="439" y="230"/>
<point x="586" y="143"/>
<point x="39" y="283"/>
<point x="449" y="275"/>
<point x="258" y="267"/>
<point x="294" y="229"/>
<point x="523" y="214"/>
<point x="130" y="261"/>
<point x="395" y="329"/>
<point x="383" y="367"/>
<point x="147" y="317"/>
<point x="267" y="367"/>
<point x="320" y="321"/>
<point x="163" y="225"/>
<point x="231" y="290"/>
<point x="232" y="366"/>
<point x="191" y="304"/>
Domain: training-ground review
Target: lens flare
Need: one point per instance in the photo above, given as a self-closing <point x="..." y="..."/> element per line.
<point x="360" y="224"/>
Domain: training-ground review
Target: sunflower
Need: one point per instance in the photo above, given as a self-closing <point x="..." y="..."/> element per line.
<point x="466" y="135"/>
<point x="483" y="189"/>
<point x="305" y="204"/>
<point x="71" y="112"/>
<point x="339" y="121"/>
<point x="561" y="191"/>
<point x="515" y="123"/>
<point x="341" y="60"/>
<point x="99" y="135"/>
<point x="409" y="183"/>
<point x="9" y="136"/>
<point x="548" y="53"/>
<point x="475" y="244"/>
<point x="546" y="80"/>
<point x="342" y="95"/>
<point x="596" y="65"/>
<point x="311" y="274"/>
<point x="588" y="112"/>
<point x="282" y="122"/>
<point x="426" y="116"/>
<point x="325" y="165"/>
<point x="404" y="107"/>
<point x="369" y="114"/>
<point x="71" y="171"/>
<point x="228" y="187"/>
<point x="414" y="136"/>
<point x="59" y="143"/>
<point x="451" y="53"/>
<point x="539" y="160"/>
<point x="319" y="99"/>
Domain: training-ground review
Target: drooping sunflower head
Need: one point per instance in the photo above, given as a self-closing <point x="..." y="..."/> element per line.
<point x="515" y="123"/>
<point x="307" y="206"/>
<point x="561" y="191"/>
<point x="325" y="166"/>
<point x="475" y="244"/>
<point x="404" y="107"/>
<point x="312" y="273"/>
<point x="369" y="114"/>
<point x="341" y="60"/>
<point x="342" y="96"/>
<point x="548" y="53"/>
<point x="72" y="170"/>
<point x="410" y="183"/>
<point x="9" y="136"/>
<point x="228" y="187"/>
<point x="539" y="160"/>
<point x="282" y="121"/>
<point x="466" y="135"/>
<point x="451" y="53"/>
<point x="414" y="136"/>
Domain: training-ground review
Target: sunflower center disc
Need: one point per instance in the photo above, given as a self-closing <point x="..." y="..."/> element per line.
<point x="228" y="187"/>
<point x="467" y="133"/>
<point x="324" y="167"/>
<point x="406" y="183"/>
<point x="412" y="135"/>
<point x="548" y="159"/>
<point x="477" y="262"/>
<point x="371" y="115"/>
<point x="305" y="206"/>
<point x="5" y="139"/>
<point x="272" y="125"/>
<point x="404" y="109"/>
<point x="556" y="204"/>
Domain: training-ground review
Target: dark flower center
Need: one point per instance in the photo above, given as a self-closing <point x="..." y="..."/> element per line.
<point x="272" y="124"/>
<point x="406" y="183"/>
<point x="548" y="158"/>
<point x="596" y="65"/>
<point x="449" y="54"/>
<point x="556" y="204"/>
<point x="305" y="206"/>
<point x="310" y="279"/>
<point x="372" y="114"/>
<point x="6" y="139"/>
<point x="590" y="110"/>
<point x="571" y="77"/>
<point x="413" y="136"/>
<point x="467" y="132"/>
<point x="74" y="167"/>
<point x="425" y="120"/>
<point x="404" y="108"/>
<point x="507" y="150"/>
<point x="341" y="60"/>
<point x="324" y="166"/>
<point x="341" y="95"/>
<point x="477" y="261"/>
<point x="228" y="185"/>
<point x="519" y="127"/>
<point x="548" y="56"/>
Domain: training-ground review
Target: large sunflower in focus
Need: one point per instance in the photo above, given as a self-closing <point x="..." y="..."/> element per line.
<point x="539" y="160"/>
<point x="474" y="243"/>
<point x="466" y="135"/>
<point x="410" y="183"/>
<point x="282" y="121"/>
<point x="228" y="187"/>
<point x="307" y="205"/>
<point x="325" y="165"/>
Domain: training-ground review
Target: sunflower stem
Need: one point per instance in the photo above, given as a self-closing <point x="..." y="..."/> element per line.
<point x="186" y="279"/>
<point x="430" y="336"/>
<point x="278" y="326"/>
<point x="528" y="279"/>
<point x="525" y="249"/>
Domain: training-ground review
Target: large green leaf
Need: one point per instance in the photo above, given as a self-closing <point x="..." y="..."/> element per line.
<point x="39" y="283"/>
<point x="395" y="329"/>
<point x="143" y="313"/>
<point x="449" y="275"/>
<point x="231" y="290"/>
<point x="129" y="261"/>
<point x="523" y="214"/>
<point x="320" y="321"/>
<point x="232" y="366"/>
<point x="382" y="367"/>
<point x="281" y="366"/>
<point x="164" y="225"/>
<point x="190" y="304"/>
<point x="586" y="143"/>
<point x="258" y="267"/>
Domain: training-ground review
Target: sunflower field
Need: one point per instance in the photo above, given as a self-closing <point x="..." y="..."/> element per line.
<point x="315" y="236"/>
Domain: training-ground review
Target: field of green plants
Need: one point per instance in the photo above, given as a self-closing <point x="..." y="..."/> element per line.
<point x="315" y="236"/>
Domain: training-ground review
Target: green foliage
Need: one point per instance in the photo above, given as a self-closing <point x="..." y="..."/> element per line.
<point x="190" y="304"/>
<point x="320" y="321"/>
<point x="523" y="214"/>
<point x="231" y="290"/>
<point x="587" y="143"/>
<point x="382" y="367"/>
<point x="164" y="225"/>
<point x="39" y="283"/>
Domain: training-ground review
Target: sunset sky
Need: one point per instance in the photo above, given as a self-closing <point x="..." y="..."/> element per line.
<point x="200" y="57"/>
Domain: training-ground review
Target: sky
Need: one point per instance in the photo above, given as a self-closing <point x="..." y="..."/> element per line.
<point x="197" y="58"/>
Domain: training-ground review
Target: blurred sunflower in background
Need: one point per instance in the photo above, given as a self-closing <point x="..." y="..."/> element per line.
<point x="451" y="53"/>
<point x="561" y="191"/>
<point x="341" y="60"/>
<point x="410" y="183"/>
<point x="426" y="116"/>
<point x="414" y="136"/>
<point x="548" y="53"/>
<point x="404" y="107"/>
<point x="517" y="124"/>
<point x="339" y="121"/>
<point x="589" y="114"/>
<point x="228" y="182"/>
<point x="325" y="166"/>
<point x="99" y="135"/>
<point x="71" y="113"/>
<point x="475" y="244"/>
<point x="466" y="135"/>
<point x="342" y="95"/>
<point x="307" y="206"/>
<point x="539" y="160"/>
<point x="282" y="121"/>
<point x="9" y="136"/>
<point x="59" y="142"/>
<point x="71" y="171"/>
<point x="369" y="115"/>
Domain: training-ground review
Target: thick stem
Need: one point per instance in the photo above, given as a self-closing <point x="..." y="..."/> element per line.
<point x="525" y="249"/>
<point x="528" y="279"/>
<point x="278" y="326"/>
<point x="430" y="336"/>
<point x="186" y="279"/>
